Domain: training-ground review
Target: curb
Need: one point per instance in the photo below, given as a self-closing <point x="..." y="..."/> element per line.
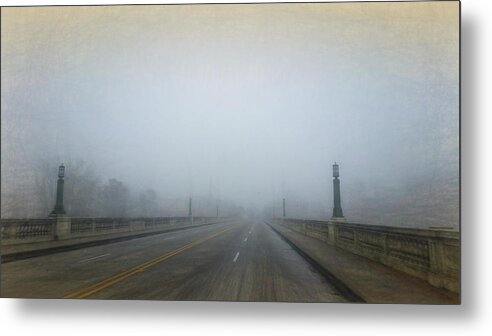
<point x="329" y="276"/>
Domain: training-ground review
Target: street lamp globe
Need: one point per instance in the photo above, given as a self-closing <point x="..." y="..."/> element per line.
<point x="336" y="170"/>
<point x="61" y="171"/>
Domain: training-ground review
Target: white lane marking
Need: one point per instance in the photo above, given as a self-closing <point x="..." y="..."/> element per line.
<point x="246" y="239"/>
<point x="169" y="238"/>
<point x="235" y="258"/>
<point x="97" y="257"/>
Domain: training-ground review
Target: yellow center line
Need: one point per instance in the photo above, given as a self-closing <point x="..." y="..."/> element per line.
<point x="92" y="289"/>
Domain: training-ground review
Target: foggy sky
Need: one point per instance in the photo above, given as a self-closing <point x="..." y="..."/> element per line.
<point x="249" y="102"/>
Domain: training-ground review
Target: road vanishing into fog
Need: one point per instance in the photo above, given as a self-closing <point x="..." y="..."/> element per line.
<point x="240" y="260"/>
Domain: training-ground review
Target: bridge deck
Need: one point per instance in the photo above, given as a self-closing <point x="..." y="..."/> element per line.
<point x="234" y="261"/>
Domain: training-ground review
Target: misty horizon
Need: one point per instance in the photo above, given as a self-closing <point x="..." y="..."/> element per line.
<point x="245" y="104"/>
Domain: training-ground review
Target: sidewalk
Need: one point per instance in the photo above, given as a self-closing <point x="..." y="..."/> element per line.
<point x="372" y="281"/>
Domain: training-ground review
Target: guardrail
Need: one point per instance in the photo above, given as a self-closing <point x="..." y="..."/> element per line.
<point x="430" y="254"/>
<point x="20" y="231"/>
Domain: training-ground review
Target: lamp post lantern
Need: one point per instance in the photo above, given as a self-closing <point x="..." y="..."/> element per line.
<point x="337" y="208"/>
<point x="59" y="209"/>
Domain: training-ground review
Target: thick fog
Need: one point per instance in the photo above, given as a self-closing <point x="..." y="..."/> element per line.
<point x="237" y="106"/>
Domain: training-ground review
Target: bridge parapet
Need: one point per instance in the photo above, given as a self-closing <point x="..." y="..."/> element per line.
<point x="430" y="254"/>
<point x="29" y="230"/>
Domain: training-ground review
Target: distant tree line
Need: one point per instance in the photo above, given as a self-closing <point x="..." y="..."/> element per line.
<point x="85" y="194"/>
<point x="32" y="194"/>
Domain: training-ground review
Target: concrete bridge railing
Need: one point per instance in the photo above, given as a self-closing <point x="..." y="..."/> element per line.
<point x="432" y="255"/>
<point x="20" y="231"/>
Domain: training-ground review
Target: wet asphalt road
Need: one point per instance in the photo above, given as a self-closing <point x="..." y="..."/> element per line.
<point x="241" y="260"/>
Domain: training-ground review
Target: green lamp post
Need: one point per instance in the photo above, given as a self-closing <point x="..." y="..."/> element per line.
<point x="59" y="209"/>
<point x="283" y="207"/>
<point x="190" y="211"/>
<point x="337" y="208"/>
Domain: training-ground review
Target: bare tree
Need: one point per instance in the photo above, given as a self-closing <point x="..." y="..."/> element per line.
<point x="147" y="203"/>
<point x="82" y="190"/>
<point x="115" y="197"/>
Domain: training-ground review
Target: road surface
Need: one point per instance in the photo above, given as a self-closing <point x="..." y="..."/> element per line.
<point x="241" y="260"/>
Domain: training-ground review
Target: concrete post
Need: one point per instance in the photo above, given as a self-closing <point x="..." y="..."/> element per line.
<point x="331" y="233"/>
<point x="11" y="230"/>
<point x="436" y="256"/>
<point x="62" y="226"/>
